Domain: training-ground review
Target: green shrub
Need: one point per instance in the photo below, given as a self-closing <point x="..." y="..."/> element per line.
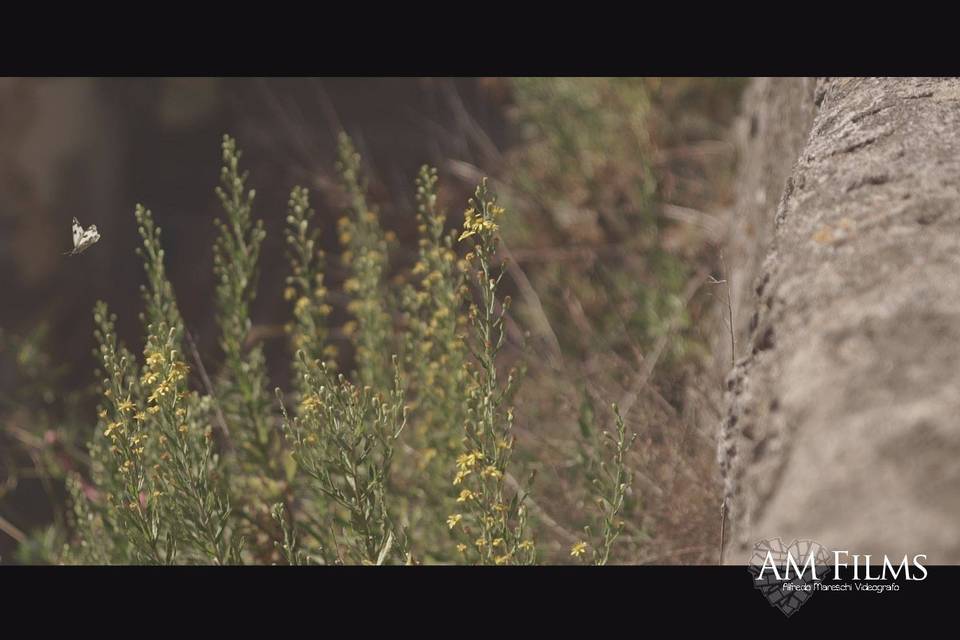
<point x="218" y="473"/>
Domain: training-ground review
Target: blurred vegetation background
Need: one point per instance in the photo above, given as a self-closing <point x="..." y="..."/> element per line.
<point x="616" y="189"/>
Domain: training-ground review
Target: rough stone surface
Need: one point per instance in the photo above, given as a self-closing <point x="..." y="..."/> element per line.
<point x="843" y="421"/>
<point x="770" y="134"/>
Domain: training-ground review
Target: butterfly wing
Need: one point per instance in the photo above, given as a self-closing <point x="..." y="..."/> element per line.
<point x="77" y="233"/>
<point x="88" y="237"/>
<point x="83" y="238"/>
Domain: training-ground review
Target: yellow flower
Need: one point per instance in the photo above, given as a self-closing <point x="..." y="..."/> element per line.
<point x="497" y="542"/>
<point x="491" y="471"/>
<point x="465" y="495"/>
<point x="502" y="559"/>
<point x="310" y="403"/>
<point x="178" y="371"/>
<point x="466" y="461"/>
<point x="578" y="549"/>
<point x="158" y="393"/>
<point x="125" y="406"/>
<point x="289" y="293"/>
<point x="453" y="519"/>
<point x="462" y="548"/>
<point x="526" y="545"/>
<point x="474" y="222"/>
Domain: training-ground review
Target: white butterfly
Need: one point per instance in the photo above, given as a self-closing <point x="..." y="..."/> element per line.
<point x="82" y="238"/>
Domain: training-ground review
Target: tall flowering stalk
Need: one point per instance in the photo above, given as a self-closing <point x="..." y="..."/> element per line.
<point x="365" y="256"/>
<point x="434" y="354"/>
<point x="434" y="350"/>
<point x="305" y="286"/>
<point x="613" y="486"/>
<point x="312" y="511"/>
<point x="236" y="251"/>
<point x="121" y="468"/>
<point x="490" y="517"/>
<point x="260" y="476"/>
<point x="610" y="479"/>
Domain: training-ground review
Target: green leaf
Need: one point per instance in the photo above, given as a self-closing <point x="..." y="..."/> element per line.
<point x="385" y="550"/>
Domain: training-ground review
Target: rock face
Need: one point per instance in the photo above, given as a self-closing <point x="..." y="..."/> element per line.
<point x="843" y="421"/>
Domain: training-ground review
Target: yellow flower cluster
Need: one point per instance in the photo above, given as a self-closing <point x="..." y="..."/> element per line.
<point x="111" y="430"/>
<point x="164" y="380"/>
<point x="475" y="222"/>
<point x="492" y="472"/>
<point x="365" y="256"/>
<point x="465" y="465"/>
